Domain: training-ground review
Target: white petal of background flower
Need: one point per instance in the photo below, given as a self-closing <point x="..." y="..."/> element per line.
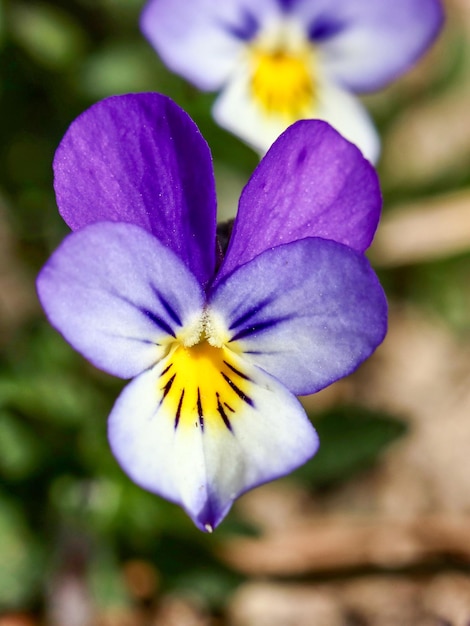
<point x="236" y="111"/>
<point x="345" y="112"/>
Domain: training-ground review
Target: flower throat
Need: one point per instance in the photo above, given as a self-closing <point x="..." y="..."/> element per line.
<point x="202" y="383"/>
<point x="282" y="83"/>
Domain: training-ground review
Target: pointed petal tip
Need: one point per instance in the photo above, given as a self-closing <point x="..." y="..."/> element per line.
<point x="211" y="514"/>
<point x="215" y="510"/>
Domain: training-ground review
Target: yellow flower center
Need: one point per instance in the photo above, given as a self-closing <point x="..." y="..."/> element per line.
<point x="203" y="386"/>
<point x="282" y="81"/>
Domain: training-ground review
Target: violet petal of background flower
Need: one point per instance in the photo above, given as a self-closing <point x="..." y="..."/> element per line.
<point x="378" y="41"/>
<point x="139" y="158"/>
<point x="115" y="293"/>
<point x="311" y="183"/>
<point x="308" y="312"/>
<point x="363" y="44"/>
<point x="202" y="39"/>
<point x="205" y="471"/>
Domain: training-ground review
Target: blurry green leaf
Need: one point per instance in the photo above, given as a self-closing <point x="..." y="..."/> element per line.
<point x="48" y="398"/>
<point x="2" y="21"/>
<point x="21" y="559"/>
<point x="27" y="160"/>
<point x="213" y="585"/>
<point x="106" y="581"/>
<point x="48" y="382"/>
<point x="124" y="6"/>
<point x="69" y="495"/>
<point x="351" y="439"/>
<point x="120" y="12"/>
<point x="181" y="558"/>
<point x="120" y="67"/>
<point x="442" y="286"/>
<point x="136" y="515"/>
<point x="51" y="36"/>
<point x="20" y="450"/>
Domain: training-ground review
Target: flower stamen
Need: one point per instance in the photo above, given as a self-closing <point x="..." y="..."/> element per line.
<point x="282" y="83"/>
<point x="203" y="386"/>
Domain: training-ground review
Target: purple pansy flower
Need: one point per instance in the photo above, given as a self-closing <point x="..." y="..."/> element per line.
<point x="277" y="61"/>
<point x="217" y="354"/>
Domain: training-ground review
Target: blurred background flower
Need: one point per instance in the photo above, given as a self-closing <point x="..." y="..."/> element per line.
<point x="278" y="61"/>
<point x="375" y="530"/>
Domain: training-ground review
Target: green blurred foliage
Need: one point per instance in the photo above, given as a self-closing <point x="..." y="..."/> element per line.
<point x="58" y="476"/>
<point x="22" y="556"/>
<point x="351" y="440"/>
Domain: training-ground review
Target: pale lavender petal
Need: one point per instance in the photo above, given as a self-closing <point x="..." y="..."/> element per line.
<point x="204" y="462"/>
<point x="140" y="159"/>
<point x="203" y="39"/>
<point x="308" y="312"/>
<point x="118" y="296"/>
<point x="311" y="183"/>
<point x="365" y="44"/>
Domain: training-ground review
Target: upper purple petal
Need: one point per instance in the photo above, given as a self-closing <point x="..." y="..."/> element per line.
<point x="311" y="183"/>
<point x="139" y="158"/>
<point x="367" y="43"/>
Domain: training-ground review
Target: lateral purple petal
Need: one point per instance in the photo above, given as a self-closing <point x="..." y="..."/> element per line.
<point x="311" y="183"/>
<point x="118" y="296"/>
<point x="308" y="312"/>
<point x="368" y="44"/>
<point x="140" y="159"/>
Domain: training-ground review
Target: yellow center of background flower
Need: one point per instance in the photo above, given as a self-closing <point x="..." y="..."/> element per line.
<point x="202" y="386"/>
<point x="282" y="82"/>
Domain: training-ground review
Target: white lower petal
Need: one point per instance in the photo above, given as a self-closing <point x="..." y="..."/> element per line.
<point x="202" y="449"/>
<point x="237" y="111"/>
